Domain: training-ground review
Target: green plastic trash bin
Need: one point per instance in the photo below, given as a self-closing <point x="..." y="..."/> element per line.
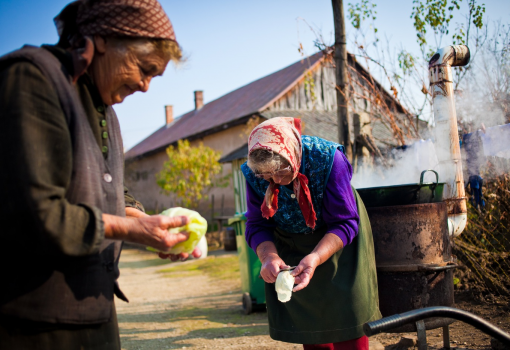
<point x="254" y="297"/>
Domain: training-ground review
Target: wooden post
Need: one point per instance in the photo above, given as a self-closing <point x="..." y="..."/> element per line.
<point x="342" y="92"/>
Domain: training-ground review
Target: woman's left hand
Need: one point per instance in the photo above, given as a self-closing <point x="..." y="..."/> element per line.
<point x="305" y="270"/>
<point x="197" y="253"/>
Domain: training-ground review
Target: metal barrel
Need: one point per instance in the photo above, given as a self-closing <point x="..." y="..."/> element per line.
<point x="413" y="258"/>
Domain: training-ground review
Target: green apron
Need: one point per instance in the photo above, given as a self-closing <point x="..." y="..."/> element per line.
<point x="342" y="294"/>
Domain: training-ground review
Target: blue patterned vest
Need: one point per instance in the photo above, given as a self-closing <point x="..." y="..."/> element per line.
<point x="317" y="160"/>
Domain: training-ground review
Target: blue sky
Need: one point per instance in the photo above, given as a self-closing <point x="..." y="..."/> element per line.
<point x="229" y="44"/>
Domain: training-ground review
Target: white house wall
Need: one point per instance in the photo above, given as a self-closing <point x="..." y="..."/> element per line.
<point x="141" y="175"/>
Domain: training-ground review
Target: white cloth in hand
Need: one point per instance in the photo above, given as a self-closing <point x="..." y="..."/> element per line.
<point x="284" y="284"/>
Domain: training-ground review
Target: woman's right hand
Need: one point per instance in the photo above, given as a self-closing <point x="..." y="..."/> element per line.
<point x="270" y="260"/>
<point x="151" y="225"/>
<point x="147" y="230"/>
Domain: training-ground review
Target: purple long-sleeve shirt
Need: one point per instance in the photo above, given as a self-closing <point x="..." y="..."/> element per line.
<point x="339" y="208"/>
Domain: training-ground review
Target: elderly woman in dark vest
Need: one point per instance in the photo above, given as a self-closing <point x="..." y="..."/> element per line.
<point x="64" y="207"/>
<point x="303" y="212"/>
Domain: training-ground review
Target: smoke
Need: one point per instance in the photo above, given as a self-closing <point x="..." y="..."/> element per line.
<point x="482" y="102"/>
<point x="476" y="111"/>
<point x="403" y="166"/>
<point x="481" y="113"/>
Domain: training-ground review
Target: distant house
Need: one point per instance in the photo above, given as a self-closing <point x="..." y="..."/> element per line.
<point x="305" y="89"/>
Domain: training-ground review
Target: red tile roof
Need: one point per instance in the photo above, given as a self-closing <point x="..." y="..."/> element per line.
<point x="243" y="102"/>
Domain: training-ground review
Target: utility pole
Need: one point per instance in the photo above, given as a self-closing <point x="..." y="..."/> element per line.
<point x="342" y="87"/>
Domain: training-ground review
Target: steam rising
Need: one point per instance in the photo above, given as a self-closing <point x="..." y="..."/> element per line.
<point x="474" y="112"/>
<point x="405" y="167"/>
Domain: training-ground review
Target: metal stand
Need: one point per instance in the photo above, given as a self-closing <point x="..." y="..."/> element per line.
<point x="446" y="337"/>
<point x="422" y="335"/>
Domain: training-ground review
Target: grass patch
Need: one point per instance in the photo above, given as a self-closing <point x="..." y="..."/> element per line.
<point x="216" y="267"/>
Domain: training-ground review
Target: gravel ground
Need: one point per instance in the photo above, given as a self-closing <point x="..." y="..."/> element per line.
<point x="191" y="309"/>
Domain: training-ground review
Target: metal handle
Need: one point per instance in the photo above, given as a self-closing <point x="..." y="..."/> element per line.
<point x="391" y="322"/>
<point x="426" y="268"/>
<point x="423" y="174"/>
<point x="416" y="267"/>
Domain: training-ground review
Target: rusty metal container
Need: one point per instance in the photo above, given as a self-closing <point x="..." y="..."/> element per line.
<point x="413" y="258"/>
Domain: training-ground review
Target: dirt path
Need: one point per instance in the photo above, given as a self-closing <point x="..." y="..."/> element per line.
<point x="188" y="310"/>
<point x="197" y="305"/>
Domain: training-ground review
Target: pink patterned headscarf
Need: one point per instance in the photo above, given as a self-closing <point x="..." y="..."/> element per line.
<point x="283" y="136"/>
<point x="120" y="18"/>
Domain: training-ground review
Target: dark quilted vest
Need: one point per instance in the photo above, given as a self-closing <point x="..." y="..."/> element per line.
<point x="76" y="290"/>
<point x="317" y="160"/>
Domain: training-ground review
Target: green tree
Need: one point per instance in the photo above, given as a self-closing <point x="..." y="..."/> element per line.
<point x="436" y="23"/>
<point x="190" y="173"/>
<point x="433" y="22"/>
<point x="429" y="16"/>
<point x="437" y="15"/>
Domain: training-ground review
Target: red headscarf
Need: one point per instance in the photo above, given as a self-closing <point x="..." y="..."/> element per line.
<point x="283" y="136"/>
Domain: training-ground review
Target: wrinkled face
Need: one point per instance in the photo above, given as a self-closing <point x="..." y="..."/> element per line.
<point x="283" y="180"/>
<point x="119" y="69"/>
<point x="282" y="176"/>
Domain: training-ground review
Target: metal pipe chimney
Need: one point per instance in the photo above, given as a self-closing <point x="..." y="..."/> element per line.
<point x="446" y="132"/>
